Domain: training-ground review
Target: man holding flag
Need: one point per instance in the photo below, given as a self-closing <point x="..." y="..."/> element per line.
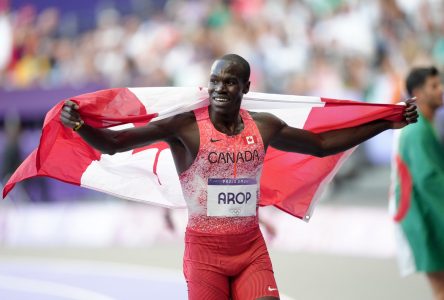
<point x="417" y="194"/>
<point x="219" y="151"/>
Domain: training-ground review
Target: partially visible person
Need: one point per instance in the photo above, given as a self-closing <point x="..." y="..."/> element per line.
<point x="11" y="154"/>
<point x="439" y="123"/>
<point x="169" y="223"/>
<point x="418" y="184"/>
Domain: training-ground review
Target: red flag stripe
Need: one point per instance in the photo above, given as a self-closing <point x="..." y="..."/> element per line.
<point x="406" y="184"/>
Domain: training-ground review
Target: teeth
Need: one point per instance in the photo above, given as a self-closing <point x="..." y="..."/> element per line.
<point x="221" y="99"/>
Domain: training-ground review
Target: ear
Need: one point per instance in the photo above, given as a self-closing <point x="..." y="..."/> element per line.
<point x="246" y="88"/>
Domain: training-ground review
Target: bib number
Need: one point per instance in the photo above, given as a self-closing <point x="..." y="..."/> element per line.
<point x="233" y="197"/>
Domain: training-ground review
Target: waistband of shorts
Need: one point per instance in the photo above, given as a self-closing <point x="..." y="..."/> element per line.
<point x="192" y="236"/>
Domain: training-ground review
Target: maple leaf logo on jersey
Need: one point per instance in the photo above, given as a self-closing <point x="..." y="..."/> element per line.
<point x="250" y="140"/>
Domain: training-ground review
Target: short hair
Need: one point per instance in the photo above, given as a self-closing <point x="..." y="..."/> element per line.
<point x="418" y="76"/>
<point x="242" y="62"/>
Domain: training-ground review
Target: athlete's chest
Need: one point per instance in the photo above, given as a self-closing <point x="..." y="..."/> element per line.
<point x="227" y="168"/>
<point x="242" y="152"/>
<point x="241" y="149"/>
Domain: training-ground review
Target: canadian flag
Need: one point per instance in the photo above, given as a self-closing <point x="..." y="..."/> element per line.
<point x="250" y="140"/>
<point x="148" y="174"/>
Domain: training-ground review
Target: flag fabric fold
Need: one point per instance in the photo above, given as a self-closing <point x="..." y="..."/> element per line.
<point x="291" y="181"/>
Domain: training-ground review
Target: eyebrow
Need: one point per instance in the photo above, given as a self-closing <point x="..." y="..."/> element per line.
<point x="228" y="77"/>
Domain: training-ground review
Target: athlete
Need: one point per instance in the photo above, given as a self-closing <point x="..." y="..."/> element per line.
<point x="218" y="152"/>
<point x="418" y="187"/>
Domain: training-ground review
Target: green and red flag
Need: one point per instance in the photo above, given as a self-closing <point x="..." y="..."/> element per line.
<point x="417" y="198"/>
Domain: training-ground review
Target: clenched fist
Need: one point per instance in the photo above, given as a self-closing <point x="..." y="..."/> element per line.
<point x="70" y="116"/>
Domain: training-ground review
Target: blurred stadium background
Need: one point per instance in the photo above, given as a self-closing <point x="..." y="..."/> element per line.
<point x="59" y="241"/>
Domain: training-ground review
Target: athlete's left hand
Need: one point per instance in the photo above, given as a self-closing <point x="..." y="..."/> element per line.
<point x="410" y="114"/>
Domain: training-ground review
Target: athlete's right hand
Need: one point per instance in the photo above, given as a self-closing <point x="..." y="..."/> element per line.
<point x="70" y="116"/>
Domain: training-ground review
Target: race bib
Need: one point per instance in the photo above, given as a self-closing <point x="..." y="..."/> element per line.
<point x="232" y="197"/>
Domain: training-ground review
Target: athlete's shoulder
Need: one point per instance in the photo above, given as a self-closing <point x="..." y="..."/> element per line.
<point x="266" y="119"/>
<point x="414" y="131"/>
<point x="418" y="134"/>
<point x="186" y="117"/>
<point x="179" y="120"/>
<point x="175" y="125"/>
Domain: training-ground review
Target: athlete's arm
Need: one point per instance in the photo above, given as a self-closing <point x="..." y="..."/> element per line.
<point x="111" y="141"/>
<point x="327" y="143"/>
<point x="283" y="137"/>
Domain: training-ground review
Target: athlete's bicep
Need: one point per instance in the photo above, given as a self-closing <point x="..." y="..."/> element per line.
<point x="135" y="137"/>
<point x="293" y="139"/>
<point x="276" y="133"/>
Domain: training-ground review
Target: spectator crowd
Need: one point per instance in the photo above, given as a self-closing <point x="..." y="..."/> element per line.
<point x="339" y="48"/>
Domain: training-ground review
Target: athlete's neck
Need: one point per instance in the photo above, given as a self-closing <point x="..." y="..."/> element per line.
<point x="228" y="123"/>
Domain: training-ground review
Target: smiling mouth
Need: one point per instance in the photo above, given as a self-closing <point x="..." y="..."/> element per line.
<point x="221" y="99"/>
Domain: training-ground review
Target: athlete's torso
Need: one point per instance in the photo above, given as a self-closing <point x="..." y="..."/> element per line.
<point x="221" y="187"/>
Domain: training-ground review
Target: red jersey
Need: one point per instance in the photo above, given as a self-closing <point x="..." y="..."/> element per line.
<point x="221" y="187"/>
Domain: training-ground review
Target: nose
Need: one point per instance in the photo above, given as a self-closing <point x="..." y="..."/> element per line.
<point x="219" y="87"/>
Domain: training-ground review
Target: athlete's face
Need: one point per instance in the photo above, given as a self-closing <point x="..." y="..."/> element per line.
<point x="227" y="86"/>
<point x="432" y="92"/>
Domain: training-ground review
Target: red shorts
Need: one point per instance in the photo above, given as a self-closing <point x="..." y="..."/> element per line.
<point x="235" y="266"/>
